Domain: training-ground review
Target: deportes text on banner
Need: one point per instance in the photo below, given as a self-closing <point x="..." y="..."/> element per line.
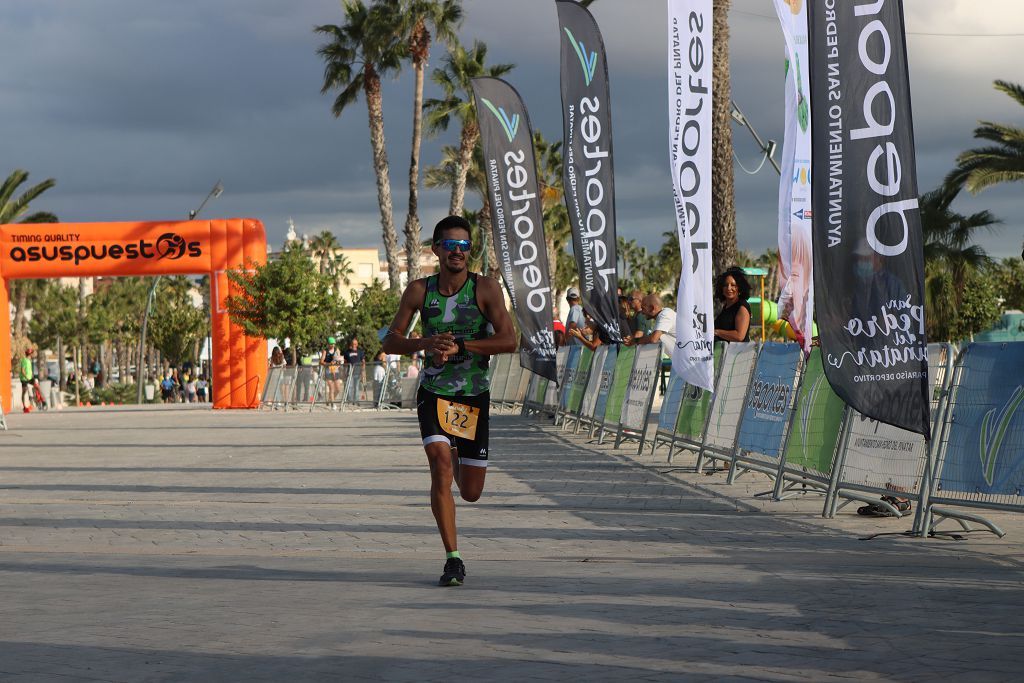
<point x="689" y="98"/>
<point x="587" y="163"/>
<point x="797" y="302"/>
<point x="868" y="255"/>
<point x="516" y="221"/>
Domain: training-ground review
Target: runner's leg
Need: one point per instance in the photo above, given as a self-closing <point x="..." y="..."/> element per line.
<point x="442" y="503"/>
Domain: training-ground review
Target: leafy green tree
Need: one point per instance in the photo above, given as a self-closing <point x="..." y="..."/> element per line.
<point x="460" y="67"/>
<point x="1000" y="162"/>
<point x="371" y="310"/>
<point x="950" y="257"/>
<point x="177" y="324"/>
<point x="123" y="299"/>
<point x="55" y="321"/>
<point x="979" y="307"/>
<point x="358" y="54"/>
<point x="444" y="16"/>
<point x="285" y="298"/>
<point x="1009" y="281"/>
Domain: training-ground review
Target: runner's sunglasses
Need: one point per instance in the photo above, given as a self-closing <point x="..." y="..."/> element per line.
<point x="452" y="245"/>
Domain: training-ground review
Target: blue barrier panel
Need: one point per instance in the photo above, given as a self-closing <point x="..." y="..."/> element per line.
<point x="670" y="405"/>
<point x="985" y="448"/>
<point x="767" y="408"/>
<point x="568" y="377"/>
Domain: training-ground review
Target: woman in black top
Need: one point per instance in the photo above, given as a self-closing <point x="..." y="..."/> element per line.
<point x="732" y="324"/>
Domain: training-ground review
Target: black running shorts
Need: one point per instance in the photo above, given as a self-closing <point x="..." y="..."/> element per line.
<point x="461" y="421"/>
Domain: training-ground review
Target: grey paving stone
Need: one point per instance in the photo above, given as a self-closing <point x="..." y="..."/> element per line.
<point x="183" y="545"/>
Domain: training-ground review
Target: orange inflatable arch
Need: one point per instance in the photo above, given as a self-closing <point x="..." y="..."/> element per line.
<point x="239" y="362"/>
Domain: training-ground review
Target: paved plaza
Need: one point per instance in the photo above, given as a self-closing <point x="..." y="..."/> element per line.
<point x="182" y="544"/>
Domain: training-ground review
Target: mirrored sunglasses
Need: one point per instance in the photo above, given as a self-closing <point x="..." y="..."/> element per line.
<point x="452" y="245"/>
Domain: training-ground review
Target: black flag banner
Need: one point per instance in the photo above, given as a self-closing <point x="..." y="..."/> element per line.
<point x="511" y="171"/>
<point x="868" y="252"/>
<point x="587" y="163"/>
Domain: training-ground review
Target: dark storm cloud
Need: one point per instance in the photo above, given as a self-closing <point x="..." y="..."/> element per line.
<point x="137" y="108"/>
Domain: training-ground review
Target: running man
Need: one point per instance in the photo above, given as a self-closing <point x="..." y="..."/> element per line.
<point x="452" y="403"/>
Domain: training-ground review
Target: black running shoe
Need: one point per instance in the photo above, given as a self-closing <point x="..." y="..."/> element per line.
<point x="454" y="572"/>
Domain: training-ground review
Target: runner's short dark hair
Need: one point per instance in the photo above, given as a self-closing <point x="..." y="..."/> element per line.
<point x="450" y="223"/>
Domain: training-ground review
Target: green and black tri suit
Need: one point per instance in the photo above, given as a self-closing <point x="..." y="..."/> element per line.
<point x="463" y="379"/>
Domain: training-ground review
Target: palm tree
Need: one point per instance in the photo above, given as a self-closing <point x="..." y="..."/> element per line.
<point x="460" y="67"/>
<point x="949" y="255"/>
<point x="444" y="16"/>
<point x="358" y="53"/>
<point x="15" y="210"/>
<point x="446" y="173"/>
<point x="723" y="198"/>
<point x="952" y="262"/>
<point x="1002" y="162"/>
<point x="325" y="248"/>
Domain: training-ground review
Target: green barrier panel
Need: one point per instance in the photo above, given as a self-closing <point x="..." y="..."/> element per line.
<point x="541" y="390"/>
<point x="693" y="412"/>
<point x="819" y="415"/>
<point x="579" y="381"/>
<point x="620" y="381"/>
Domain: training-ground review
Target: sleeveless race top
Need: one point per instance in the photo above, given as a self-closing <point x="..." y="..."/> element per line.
<point x="459" y="314"/>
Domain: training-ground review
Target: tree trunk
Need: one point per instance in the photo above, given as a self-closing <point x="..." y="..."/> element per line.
<point x="20" y="298"/>
<point x="374" y="106"/>
<point x="412" y="219"/>
<point x="467" y="141"/>
<point x="62" y="380"/>
<point x="484" y="218"/>
<point x="723" y="200"/>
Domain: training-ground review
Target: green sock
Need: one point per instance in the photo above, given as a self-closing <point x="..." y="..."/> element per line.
<point x="454" y="553"/>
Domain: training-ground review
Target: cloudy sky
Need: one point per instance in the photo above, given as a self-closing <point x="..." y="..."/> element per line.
<point x="137" y="107"/>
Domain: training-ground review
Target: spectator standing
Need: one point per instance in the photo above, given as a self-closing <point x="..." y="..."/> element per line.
<point x="27" y="374"/>
<point x="575" y="320"/>
<point x="732" y="324"/>
<point x="202" y="387"/>
<point x="355" y="362"/>
<point x="330" y="361"/>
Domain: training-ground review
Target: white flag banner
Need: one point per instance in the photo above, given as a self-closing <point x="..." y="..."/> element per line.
<point x="689" y="101"/>
<point x="797" y="301"/>
<point x="786" y="179"/>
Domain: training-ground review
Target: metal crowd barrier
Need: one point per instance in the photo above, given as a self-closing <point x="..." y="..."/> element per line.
<point x="979" y="449"/>
<point x="773" y="412"/>
<point x="377" y="385"/>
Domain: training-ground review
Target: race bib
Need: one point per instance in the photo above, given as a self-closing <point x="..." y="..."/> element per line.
<point x="457" y="419"/>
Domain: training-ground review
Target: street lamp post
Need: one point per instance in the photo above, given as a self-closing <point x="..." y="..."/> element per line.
<point x="218" y="190"/>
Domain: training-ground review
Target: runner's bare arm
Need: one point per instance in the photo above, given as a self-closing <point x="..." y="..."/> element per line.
<point x="492" y="303"/>
<point x="395" y="341"/>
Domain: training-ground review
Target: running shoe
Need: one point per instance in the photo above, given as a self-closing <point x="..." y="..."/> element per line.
<point x="454" y="572"/>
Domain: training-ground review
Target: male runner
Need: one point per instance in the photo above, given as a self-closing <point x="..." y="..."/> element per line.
<point x="452" y="403"/>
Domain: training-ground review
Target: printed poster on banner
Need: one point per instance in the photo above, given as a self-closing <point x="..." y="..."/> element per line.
<point x="796" y="304"/>
<point x="985" y="453"/>
<point x="766" y="412"/>
<point x="516" y="218"/>
<point x="868" y="248"/>
<point x="587" y="164"/>
<point x="819" y="417"/>
<point x="689" y="97"/>
<point x="642" y="380"/>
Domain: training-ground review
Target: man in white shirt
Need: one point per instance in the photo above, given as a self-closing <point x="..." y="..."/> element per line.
<point x="664" y="323"/>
